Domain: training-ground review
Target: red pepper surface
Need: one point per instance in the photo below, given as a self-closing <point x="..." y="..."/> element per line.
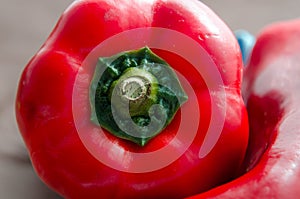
<point x="271" y="90"/>
<point x="44" y="103"/>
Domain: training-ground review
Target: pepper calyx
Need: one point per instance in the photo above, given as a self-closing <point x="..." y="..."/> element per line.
<point x="134" y="95"/>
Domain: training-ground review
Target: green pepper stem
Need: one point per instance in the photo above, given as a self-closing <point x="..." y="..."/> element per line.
<point x="134" y="89"/>
<point x="137" y="89"/>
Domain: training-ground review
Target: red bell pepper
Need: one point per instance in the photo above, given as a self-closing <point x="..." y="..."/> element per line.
<point x="67" y="102"/>
<point x="271" y="90"/>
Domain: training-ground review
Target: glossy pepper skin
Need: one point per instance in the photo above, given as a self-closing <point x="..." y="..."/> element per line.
<point x="44" y="103"/>
<point x="272" y="92"/>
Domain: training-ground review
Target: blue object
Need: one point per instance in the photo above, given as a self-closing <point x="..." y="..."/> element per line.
<point x="246" y="41"/>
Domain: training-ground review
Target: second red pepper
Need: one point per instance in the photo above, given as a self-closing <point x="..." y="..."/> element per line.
<point x="272" y="92"/>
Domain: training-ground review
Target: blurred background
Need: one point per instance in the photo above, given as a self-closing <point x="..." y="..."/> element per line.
<point x="25" y="25"/>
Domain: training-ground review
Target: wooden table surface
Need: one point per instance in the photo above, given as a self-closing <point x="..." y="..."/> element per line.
<point x="24" y="25"/>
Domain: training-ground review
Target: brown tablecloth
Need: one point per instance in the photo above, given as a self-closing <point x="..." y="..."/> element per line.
<point x="24" y="25"/>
